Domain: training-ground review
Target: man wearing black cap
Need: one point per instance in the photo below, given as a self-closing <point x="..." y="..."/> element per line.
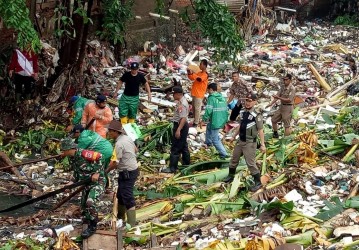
<point x="129" y="100"/>
<point x="101" y="112"/>
<point x="124" y="160"/>
<point x="180" y="132"/>
<point x="251" y="125"/>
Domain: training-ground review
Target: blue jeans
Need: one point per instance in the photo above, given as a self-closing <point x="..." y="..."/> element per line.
<point x="212" y="139"/>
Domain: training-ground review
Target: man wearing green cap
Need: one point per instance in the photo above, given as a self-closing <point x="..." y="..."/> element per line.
<point x="87" y="164"/>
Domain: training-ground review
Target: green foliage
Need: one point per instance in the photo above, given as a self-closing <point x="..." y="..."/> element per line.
<point x="33" y="141"/>
<point x="27" y="243"/>
<point x="116" y="17"/>
<point x="220" y="27"/>
<point x="16" y="15"/>
<point x="347" y="20"/>
<point x="160" y="7"/>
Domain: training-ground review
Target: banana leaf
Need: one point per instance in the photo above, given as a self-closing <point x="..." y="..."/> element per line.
<point x="201" y="166"/>
<point x="333" y="209"/>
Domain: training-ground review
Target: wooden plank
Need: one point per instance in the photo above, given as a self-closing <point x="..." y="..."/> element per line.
<point x="100" y="239"/>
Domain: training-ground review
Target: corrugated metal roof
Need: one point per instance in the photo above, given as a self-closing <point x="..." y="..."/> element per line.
<point x="233" y="5"/>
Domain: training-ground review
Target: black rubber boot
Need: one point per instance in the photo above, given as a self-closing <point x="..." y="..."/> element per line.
<point x="121" y="212"/>
<point x="186" y="158"/>
<point x="90" y="230"/>
<point x="230" y="177"/>
<point x="173" y="164"/>
<point x="275" y="134"/>
<point x="257" y="183"/>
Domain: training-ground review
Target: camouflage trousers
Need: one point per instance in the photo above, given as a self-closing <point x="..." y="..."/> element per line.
<point x="90" y="198"/>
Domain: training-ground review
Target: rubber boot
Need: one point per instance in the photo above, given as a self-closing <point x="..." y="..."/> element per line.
<point x="121" y="212"/>
<point x="230" y="177"/>
<point x="90" y="230"/>
<point x="131" y="217"/>
<point x="18" y="97"/>
<point x="257" y="183"/>
<point x="124" y="120"/>
<point x="186" y="158"/>
<point x="173" y="164"/>
<point x="131" y="120"/>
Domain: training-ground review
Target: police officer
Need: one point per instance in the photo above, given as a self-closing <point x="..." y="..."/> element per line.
<point x="284" y="113"/>
<point x="87" y="164"/>
<point x="251" y="125"/>
<point x="124" y="159"/>
<point x="180" y="132"/>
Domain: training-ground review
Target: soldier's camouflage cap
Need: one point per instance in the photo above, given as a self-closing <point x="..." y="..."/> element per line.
<point x="67" y="144"/>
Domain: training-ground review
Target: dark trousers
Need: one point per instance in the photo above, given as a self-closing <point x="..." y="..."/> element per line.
<point x="26" y="81"/>
<point x="235" y="111"/>
<point x="179" y="147"/>
<point x="126" y="182"/>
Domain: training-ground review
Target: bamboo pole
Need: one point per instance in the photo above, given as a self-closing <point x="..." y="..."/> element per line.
<point x="331" y="94"/>
<point x="114" y="212"/>
<point x="319" y="78"/>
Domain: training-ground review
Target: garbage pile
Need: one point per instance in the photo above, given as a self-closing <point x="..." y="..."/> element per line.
<point x="311" y="183"/>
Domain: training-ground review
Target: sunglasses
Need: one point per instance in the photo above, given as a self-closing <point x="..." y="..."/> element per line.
<point x="249" y="100"/>
<point x="285" y="79"/>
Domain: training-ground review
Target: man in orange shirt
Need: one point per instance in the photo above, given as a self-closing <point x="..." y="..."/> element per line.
<point x="101" y="112"/>
<point x="199" y="88"/>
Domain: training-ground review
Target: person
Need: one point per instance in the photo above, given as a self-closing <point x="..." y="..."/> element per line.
<point x="124" y="159"/>
<point x="199" y="87"/>
<point x="87" y="164"/>
<point x="251" y="125"/>
<point x="88" y="139"/>
<point x="217" y="115"/>
<point x="286" y="95"/>
<point x="100" y="112"/>
<point x="353" y="66"/>
<point x="77" y="103"/>
<point x="128" y="103"/>
<point x="239" y="90"/>
<point x="24" y="68"/>
<point x="180" y="132"/>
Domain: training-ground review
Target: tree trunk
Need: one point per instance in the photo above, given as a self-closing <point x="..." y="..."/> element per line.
<point x="84" y="37"/>
<point x="70" y="46"/>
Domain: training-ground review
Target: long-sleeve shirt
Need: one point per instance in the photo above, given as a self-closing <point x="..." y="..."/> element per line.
<point x="30" y="56"/>
<point x="78" y="109"/>
<point x="200" y="82"/>
<point x="99" y="125"/>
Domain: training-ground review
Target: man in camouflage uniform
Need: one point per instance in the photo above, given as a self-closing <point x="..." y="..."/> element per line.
<point x="239" y="90"/>
<point x="251" y="126"/>
<point x="87" y="164"/>
<point x="286" y="95"/>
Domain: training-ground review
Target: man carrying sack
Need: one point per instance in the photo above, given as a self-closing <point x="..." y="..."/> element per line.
<point x="87" y="164"/>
